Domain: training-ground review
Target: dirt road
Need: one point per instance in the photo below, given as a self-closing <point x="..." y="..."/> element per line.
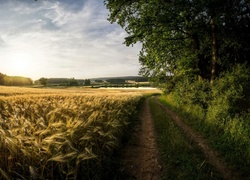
<point x="141" y="157"/>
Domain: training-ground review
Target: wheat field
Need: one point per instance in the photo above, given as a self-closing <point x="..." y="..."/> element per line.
<point x="61" y="134"/>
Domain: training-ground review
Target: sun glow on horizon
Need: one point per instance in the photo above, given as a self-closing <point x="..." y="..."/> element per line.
<point x="20" y="64"/>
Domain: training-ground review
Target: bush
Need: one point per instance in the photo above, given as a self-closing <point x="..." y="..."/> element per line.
<point x="190" y="92"/>
<point x="230" y="96"/>
<point x="221" y="112"/>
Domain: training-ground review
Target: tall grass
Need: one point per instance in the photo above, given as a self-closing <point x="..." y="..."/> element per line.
<point x="65" y="136"/>
<point x="220" y="112"/>
<point x="181" y="158"/>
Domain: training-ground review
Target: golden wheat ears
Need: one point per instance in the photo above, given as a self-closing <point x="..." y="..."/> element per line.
<point x="45" y="134"/>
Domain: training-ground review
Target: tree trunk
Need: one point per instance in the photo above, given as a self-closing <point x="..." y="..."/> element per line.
<point x="214" y="51"/>
<point x="196" y="44"/>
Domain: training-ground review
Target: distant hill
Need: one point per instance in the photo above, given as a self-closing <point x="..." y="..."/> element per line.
<point x="112" y="80"/>
<point x="126" y="78"/>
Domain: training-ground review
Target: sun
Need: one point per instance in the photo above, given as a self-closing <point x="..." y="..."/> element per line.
<point x="20" y="63"/>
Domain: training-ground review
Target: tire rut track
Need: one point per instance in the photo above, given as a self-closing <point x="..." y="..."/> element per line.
<point x="141" y="155"/>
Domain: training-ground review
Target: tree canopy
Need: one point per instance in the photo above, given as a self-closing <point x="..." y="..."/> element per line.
<point x="185" y="38"/>
<point x="43" y="81"/>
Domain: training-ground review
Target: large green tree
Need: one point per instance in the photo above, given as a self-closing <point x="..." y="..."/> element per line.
<point x="191" y="38"/>
<point x="43" y="81"/>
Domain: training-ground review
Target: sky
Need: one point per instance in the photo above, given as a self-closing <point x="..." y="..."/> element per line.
<point x="63" y="39"/>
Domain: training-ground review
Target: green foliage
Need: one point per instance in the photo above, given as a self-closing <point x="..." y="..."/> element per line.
<point x="72" y="82"/>
<point x="230" y="96"/>
<point x="87" y="82"/>
<point x="190" y="92"/>
<point x="43" y="81"/>
<point x="180" y="157"/>
<point x="177" y="36"/>
<point x="221" y="112"/>
<point x="14" y="80"/>
<point x="165" y="83"/>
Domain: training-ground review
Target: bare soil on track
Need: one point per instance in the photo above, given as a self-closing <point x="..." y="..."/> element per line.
<point x="141" y="155"/>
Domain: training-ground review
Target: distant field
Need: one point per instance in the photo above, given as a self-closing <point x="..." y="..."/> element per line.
<point x="13" y="91"/>
<point x="62" y="133"/>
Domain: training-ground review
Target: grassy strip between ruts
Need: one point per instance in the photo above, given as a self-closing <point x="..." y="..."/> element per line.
<point x="181" y="158"/>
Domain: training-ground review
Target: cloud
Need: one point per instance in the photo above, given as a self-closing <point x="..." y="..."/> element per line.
<point x="64" y="39"/>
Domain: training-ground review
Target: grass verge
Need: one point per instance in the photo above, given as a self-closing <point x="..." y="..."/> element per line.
<point x="234" y="149"/>
<point x="181" y="158"/>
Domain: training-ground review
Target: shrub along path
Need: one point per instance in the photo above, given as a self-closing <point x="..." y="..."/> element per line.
<point x="141" y="158"/>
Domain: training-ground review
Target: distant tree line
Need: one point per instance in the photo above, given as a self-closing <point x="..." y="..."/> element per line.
<point x="63" y="81"/>
<point x="43" y="81"/>
<point x="116" y="81"/>
<point x="87" y="82"/>
<point x="99" y="81"/>
<point x="14" y="80"/>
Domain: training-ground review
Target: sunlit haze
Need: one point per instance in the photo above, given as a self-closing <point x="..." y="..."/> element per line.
<point x="64" y="38"/>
